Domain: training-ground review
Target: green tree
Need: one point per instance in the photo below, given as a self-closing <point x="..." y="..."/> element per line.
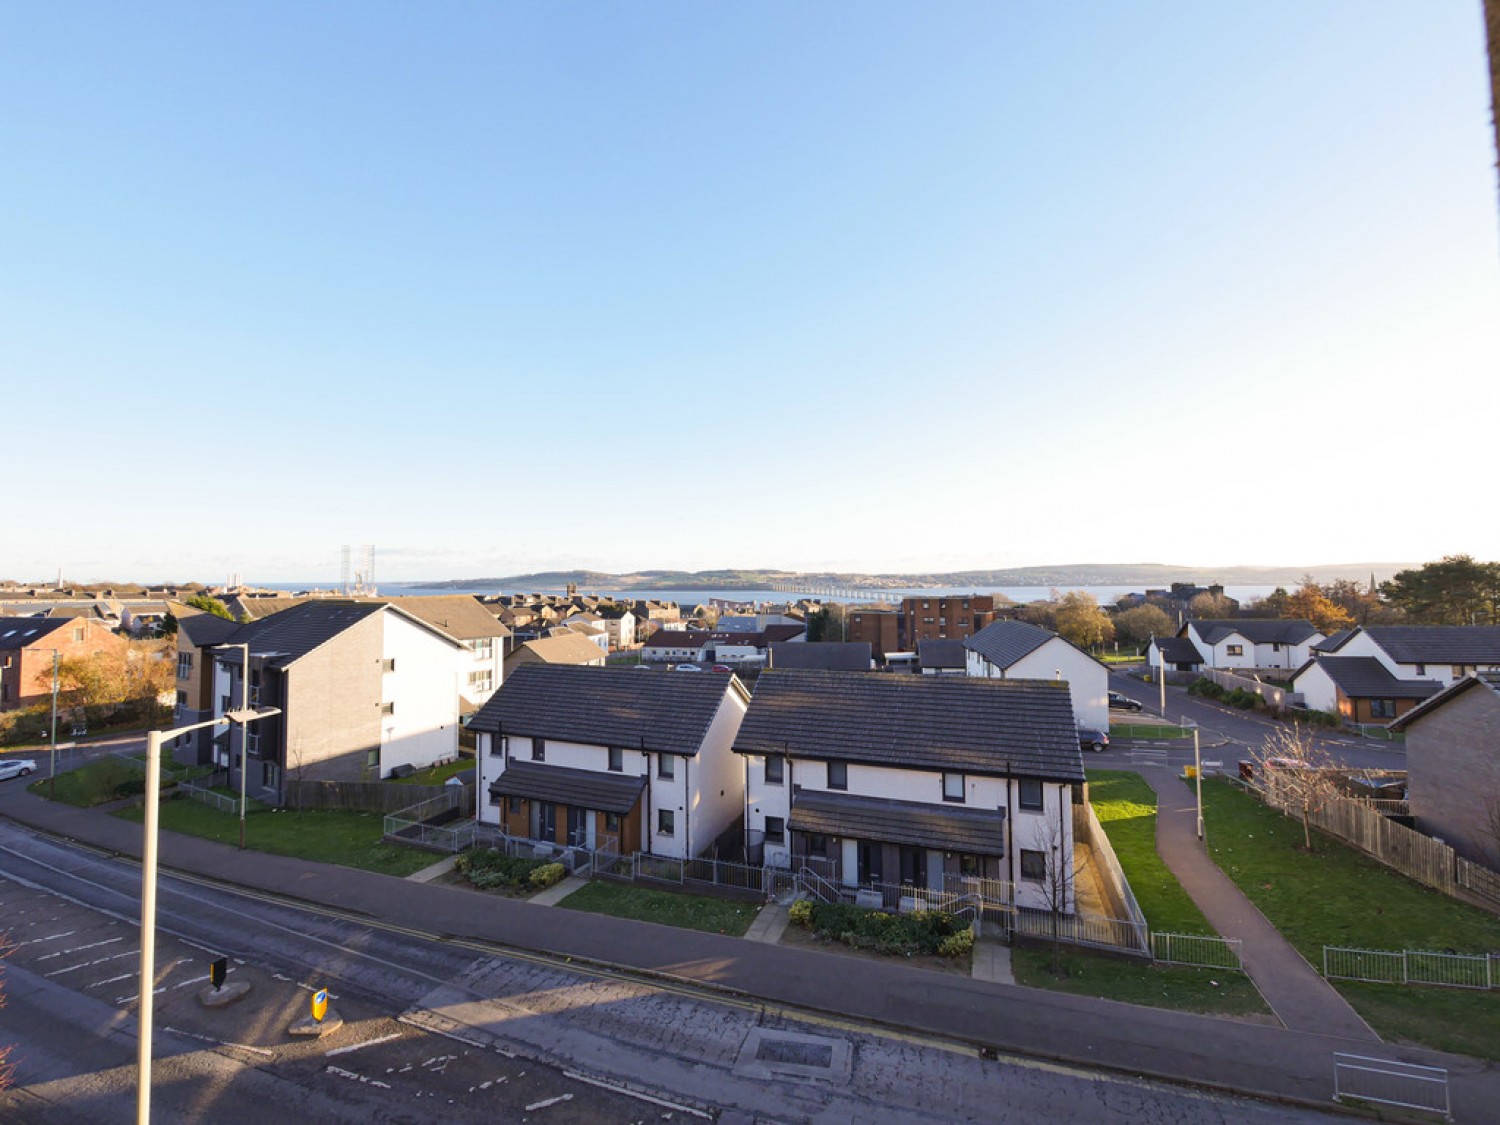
<point x="1081" y="621"/>
<point x="209" y="605"/>
<point x="1140" y="623"/>
<point x="1456" y="590"/>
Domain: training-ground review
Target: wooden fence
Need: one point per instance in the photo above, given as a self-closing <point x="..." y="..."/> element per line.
<point x="1419" y="857"/>
<point x="1276" y="698"/>
<point x="368" y="796"/>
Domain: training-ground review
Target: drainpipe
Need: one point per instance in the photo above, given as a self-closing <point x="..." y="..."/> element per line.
<point x="1010" y="844"/>
<point x="647" y="828"/>
<point x="687" y="808"/>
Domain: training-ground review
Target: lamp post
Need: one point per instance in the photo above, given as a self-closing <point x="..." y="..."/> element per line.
<point x="244" y="648"/>
<point x="154" y="740"/>
<point x="52" y="780"/>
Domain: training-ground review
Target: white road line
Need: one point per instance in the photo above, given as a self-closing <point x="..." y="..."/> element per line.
<point x="342" y="1073"/>
<point x="534" y="1106"/>
<point x="360" y="1046"/>
<point x="111" y="980"/>
<point x="49" y="937"/>
<point x="91" y="964"/>
<point x="617" y="1088"/>
<point x="81" y="948"/>
<point x="222" y="1042"/>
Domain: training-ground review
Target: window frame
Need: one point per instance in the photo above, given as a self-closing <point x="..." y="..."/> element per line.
<point x="666" y="767"/>
<point x="963" y="790"/>
<point x="666" y="822"/>
<point x="1024" y="785"/>
<point x="780" y="772"/>
<point x="538" y="749"/>
<point x="842" y="784"/>
<point x="776" y="834"/>
<point x="616" y="763"/>
<point x="1031" y="858"/>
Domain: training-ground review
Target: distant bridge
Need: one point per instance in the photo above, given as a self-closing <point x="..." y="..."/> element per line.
<point x="836" y="593"/>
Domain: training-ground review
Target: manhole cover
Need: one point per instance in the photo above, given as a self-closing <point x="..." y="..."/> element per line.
<point x="795" y="1052"/>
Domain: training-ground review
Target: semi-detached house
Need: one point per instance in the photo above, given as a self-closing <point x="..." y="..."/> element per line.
<point x="913" y="780"/>
<point x="612" y="759"/>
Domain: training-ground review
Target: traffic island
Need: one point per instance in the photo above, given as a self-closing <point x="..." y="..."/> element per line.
<point x="212" y="997"/>
<point x="313" y="1029"/>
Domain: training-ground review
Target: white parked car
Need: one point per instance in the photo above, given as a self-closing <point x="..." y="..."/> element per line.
<point x="687" y="668"/>
<point x="16" y="767"/>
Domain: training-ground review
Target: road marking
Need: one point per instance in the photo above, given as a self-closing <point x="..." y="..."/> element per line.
<point x="349" y="1074"/>
<point x="619" y="1088"/>
<point x="49" y="937"/>
<point x="222" y="1042"/>
<point x="111" y="980"/>
<point x="91" y="964"/>
<point x="81" y="948"/>
<point x="360" y="1046"/>
<point x="534" y="1106"/>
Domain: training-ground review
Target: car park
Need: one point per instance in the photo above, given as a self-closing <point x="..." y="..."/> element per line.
<point x="16" y="767"/>
<point x="1123" y="702"/>
<point x="1092" y="739"/>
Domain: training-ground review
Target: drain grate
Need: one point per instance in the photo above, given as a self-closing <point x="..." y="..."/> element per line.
<point x="795" y="1052"/>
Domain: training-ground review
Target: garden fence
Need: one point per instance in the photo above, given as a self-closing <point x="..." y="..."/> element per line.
<point x="1200" y="950"/>
<point x="1390" y="1082"/>
<point x="208" y="797"/>
<point x="1411" y="966"/>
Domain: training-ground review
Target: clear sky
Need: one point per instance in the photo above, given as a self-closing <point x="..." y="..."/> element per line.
<point x="880" y="287"/>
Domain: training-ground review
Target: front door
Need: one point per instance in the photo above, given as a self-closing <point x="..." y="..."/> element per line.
<point x="543" y="820"/>
<point x="870" y="865"/>
<point x="579" y="823"/>
<point x="913" y="869"/>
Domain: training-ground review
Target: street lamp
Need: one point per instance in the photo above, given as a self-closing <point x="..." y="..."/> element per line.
<point x="154" y="740"/>
<point x="244" y="647"/>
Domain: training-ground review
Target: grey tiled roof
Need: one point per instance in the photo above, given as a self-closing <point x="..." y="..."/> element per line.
<point x="1256" y="630"/>
<point x="294" y="632"/>
<point x="606" y="706"/>
<point x="831" y="656"/>
<point x="1438" y="644"/>
<point x="1024" y="727"/>
<point x="1178" y="650"/>
<point x="18" y="632"/>
<point x="1489" y="680"/>
<point x="1002" y="643"/>
<point x="1364" y="677"/>
<point x="1336" y="641"/>
<point x="457" y="615"/>
<point x="954" y="828"/>
<point x="588" y="789"/>
<point x="206" y="628"/>
<point x="943" y="653"/>
<point x="566" y="648"/>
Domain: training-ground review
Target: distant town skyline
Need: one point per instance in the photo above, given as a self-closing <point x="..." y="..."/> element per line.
<point x="884" y="289"/>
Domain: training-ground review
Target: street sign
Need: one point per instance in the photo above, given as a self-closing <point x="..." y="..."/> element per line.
<point x="320" y="1004"/>
<point x="218" y="971"/>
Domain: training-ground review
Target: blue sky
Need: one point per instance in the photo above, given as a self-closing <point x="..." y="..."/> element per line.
<point x="505" y="287"/>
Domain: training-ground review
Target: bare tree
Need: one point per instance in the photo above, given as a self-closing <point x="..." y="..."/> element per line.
<point x="1058" y="879"/>
<point x="1296" y="776"/>
<point x="7" y="1067"/>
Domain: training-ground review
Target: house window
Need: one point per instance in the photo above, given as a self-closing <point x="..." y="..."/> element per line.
<point x="1033" y="866"/>
<point x="775" y="830"/>
<point x="775" y="769"/>
<point x="224" y="704"/>
<point x="538" y="749"/>
<point x="666" y="766"/>
<point x="1421" y="669"/>
<point x="838" y="775"/>
<point x="1460" y="671"/>
<point x="78" y="634"/>
<point x="388" y="664"/>
<point x="483" y="646"/>
<point x="611" y="822"/>
<point x="513" y="805"/>
<point x="497" y="746"/>
<point x="953" y="787"/>
<point x="184" y="665"/>
<point x="616" y="759"/>
<point x="181" y="698"/>
<point x="372" y="758"/>
<point x="481" y="681"/>
<point x="666" y="822"/>
<point x="817" y="844"/>
<point x="1031" y="793"/>
<point x="1382" y="708"/>
<point x="270" y="775"/>
<point x="1234" y="650"/>
<point x="970" y="867"/>
<point x="388" y="708"/>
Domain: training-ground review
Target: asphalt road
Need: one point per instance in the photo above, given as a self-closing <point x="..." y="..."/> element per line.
<point x="451" y="1030"/>
<point x="1229" y="734"/>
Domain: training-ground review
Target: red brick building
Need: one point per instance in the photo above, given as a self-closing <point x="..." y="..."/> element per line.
<point x="26" y="646"/>
<point x="921" y="619"/>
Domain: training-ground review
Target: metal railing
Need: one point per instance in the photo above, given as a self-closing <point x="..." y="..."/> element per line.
<point x="208" y="797"/>
<point x="1200" y="950"/>
<point x="1411" y="966"/>
<point x="413" y="825"/>
<point x="1390" y="1082"/>
<point x="1082" y="929"/>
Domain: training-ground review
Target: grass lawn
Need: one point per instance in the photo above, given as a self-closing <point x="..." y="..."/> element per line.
<point x="436" y="775"/>
<point x="670" y="908"/>
<point x="106" y="779"/>
<point x="1337" y="896"/>
<point x="351" y="839"/>
<point x="1134" y="982"/>
<point x="1126" y="807"/>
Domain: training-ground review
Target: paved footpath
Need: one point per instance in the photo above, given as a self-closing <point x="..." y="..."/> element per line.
<point x="1229" y="1054"/>
<point x="1295" y="991"/>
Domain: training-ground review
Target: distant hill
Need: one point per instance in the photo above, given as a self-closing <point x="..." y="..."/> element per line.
<point x="1074" y="574"/>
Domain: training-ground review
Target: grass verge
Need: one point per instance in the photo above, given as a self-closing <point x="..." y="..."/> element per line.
<point x="1210" y="991"/>
<point x="437" y="775"/>
<point x="350" y="839"/>
<point x="670" y="908"/>
<point x="1335" y="895"/>
<point x="1126" y="807"/>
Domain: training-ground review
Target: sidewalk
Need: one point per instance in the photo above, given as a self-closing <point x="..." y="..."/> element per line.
<point x="1228" y="1054"/>
<point x="1296" y="992"/>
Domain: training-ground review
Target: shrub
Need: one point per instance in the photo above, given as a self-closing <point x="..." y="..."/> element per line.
<point x="802" y="913"/>
<point x="547" y="874"/>
<point x="922" y="931"/>
<point x="957" y="945"/>
<point x="488" y="868"/>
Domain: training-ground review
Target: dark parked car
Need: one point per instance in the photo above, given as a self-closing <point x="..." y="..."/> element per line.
<point x="1124" y="702"/>
<point x="1091" y="739"/>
